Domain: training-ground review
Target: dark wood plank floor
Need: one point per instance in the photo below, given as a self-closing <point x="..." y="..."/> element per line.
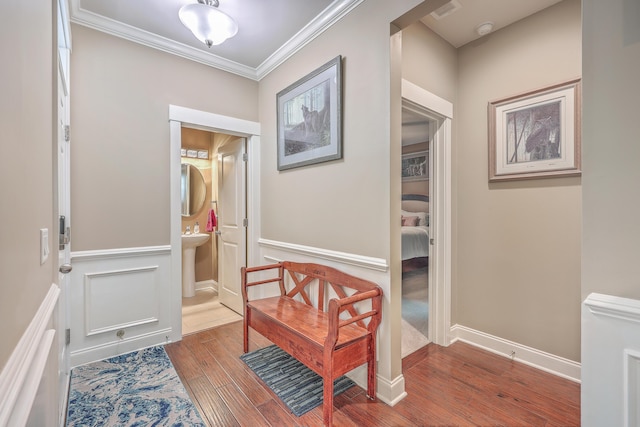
<point x="458" y="385"/>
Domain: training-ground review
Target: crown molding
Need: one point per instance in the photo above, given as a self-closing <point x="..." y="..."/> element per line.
<point x="323" y="21"/>
<point x="332" y="14"/>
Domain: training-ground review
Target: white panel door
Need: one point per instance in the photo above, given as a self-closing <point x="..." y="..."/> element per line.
<point x="232" y="233"/>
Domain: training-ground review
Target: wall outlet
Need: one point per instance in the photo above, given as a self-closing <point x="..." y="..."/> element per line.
<point x="44" y="245"/>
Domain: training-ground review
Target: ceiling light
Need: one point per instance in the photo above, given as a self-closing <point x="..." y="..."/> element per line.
<point x="207" y="23"/>
<point x="484" y="28"/>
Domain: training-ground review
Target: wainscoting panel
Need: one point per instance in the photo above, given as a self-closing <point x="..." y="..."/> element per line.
<point x="610" y="361"/>
<point x="133" y="291"/>
<point x="28" y="380"/>
<point x="120" y="301"/>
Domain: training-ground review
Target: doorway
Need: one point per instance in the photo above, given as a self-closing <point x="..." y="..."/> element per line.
<point x="417" y="135"/>
<point x="227" y="129"/>
<point x="439" y="114"/>
<point x="212" y="191"/>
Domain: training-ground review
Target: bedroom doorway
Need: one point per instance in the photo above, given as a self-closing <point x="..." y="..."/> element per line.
<point x="427" y="190"/>
<point x="417" y="130"/>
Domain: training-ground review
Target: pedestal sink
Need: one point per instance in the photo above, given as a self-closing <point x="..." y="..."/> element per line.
<point x="189" y="244"/>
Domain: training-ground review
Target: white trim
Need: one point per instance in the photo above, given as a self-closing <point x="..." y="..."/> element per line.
<point x="175" y="227"/>
<point x="371" y="263"/>
<point x="395" y="388"/>
<point x="20" y="377"/>
<point x="213" y="122"/>
<point x="538" y="359"/>
<point x="333" y="13"/>
<point x="631" y="386"/>
<point x="613" y="306"/>
<point x="119" y="253"/>
<point x="440" y="273"/>
<point x="418" y="95"/>
<point x="207" y="284"/>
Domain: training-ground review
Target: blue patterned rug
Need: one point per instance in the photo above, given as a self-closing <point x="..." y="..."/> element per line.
<point x="136" y="389"/>
<point x="296" y="385"/>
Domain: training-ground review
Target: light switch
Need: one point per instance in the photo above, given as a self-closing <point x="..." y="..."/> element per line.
<point x="44" y="245"/>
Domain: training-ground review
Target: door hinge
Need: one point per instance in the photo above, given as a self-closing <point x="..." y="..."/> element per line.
<point x="65" y="233"/>
<point x="67" y="132"/>
<point x="245" y="222"/>
<point x="245" y="157"/>
<point x="67" y="336"/>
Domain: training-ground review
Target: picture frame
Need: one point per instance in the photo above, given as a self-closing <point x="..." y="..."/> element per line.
<point x="415" y="166"/>
<point x="309" y="118"/>
<point x="536" y="134"/>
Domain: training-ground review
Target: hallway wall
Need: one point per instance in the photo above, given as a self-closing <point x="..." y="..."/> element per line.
<point x="28" y="86"/>
<point x="518" y="244"/>
<point x="120" y="159"/>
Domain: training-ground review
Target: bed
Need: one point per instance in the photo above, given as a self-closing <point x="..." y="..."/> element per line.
<point x="415" y="226"/>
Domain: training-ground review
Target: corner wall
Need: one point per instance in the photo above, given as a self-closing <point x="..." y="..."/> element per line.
<point x="518" y="242"/>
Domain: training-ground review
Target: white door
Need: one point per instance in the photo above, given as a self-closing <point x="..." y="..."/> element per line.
<point x="232" y="232"/>
<point x="62" y="238"/>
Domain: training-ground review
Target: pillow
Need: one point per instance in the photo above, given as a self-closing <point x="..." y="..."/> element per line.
<point x="423" y="217"/>
<point x="409" y="221"/>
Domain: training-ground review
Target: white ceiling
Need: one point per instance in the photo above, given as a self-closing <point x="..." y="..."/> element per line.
<point x="269" y="31"/>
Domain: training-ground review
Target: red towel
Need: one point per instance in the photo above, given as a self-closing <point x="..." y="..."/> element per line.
<point x="212" y="222"/>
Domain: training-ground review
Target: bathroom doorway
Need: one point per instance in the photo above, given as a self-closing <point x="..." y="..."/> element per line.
<point x="205" y="164"/>
<point x="195" y="139"/>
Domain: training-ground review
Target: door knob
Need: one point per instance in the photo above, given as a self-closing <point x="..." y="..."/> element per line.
<point x="65" y="268"/>
<point x="218" y="232"/>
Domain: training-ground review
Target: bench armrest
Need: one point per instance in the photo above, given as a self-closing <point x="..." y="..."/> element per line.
<point x="246" y="284"/>
<point x="338" y="305"/>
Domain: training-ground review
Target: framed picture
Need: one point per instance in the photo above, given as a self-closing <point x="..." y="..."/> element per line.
<point x="536" y="134"/>
<point x="310" y="118"/>
<point x="415" y="166"/>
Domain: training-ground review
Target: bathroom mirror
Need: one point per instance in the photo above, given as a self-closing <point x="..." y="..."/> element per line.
<point x="192" y="189"/>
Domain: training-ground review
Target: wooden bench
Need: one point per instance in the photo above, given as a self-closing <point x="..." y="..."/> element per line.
<point x="330" y="342"/>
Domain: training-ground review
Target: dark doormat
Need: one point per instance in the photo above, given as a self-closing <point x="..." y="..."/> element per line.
<point x="296" y="385"/>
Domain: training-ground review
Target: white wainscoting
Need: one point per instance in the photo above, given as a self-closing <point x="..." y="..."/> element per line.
<point x="390" y="390"/>
<point x="28" y="381"/>
<point x="610" y="361"/>
<point x="120" y="301"/>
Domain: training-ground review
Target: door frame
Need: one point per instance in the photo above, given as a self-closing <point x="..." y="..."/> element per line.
<point x="186" y="117"/>
<point x="440" y="195"/>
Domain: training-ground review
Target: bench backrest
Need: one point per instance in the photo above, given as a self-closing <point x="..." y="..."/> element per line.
<point x="329" y="280"/>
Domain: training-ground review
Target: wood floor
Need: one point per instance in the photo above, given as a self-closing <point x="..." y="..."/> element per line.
<point x="458" y="385"/>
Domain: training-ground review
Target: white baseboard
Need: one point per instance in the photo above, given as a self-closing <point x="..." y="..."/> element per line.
<point x="539" y="359"/>
<point x="207" y="284"/>
<point x="390" y="392"/>
<point x="116" y="348"/>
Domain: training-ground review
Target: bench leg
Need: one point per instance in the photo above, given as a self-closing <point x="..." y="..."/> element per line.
<point x="245" y="325"/>
<point x="371" y="370"/>
<point x="327" y="402"/>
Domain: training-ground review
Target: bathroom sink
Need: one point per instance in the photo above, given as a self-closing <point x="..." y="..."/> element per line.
<point x="193" y="240"/>
<point x="189" y="244"/>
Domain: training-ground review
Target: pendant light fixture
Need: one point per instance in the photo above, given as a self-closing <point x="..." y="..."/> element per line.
<point x="207" y="23"/>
